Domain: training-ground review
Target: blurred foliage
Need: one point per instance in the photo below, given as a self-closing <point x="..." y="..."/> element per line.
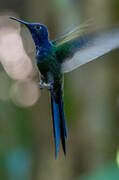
<point x="110" y="171"/>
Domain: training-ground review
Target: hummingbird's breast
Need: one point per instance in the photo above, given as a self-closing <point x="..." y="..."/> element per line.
<point x="43" y="58"/>
<point x="46" y="61"/>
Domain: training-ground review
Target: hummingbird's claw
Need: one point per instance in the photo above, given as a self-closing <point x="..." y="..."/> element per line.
<point x="41" y="85"/>
<point x="50" y="86"/>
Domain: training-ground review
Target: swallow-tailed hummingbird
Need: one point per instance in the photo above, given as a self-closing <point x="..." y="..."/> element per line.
<point x="65" y="54"/>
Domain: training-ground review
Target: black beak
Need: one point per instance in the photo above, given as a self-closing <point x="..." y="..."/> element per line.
<point x="18" y="20"/>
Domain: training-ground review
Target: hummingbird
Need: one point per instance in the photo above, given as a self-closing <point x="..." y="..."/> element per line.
<point x="64" y="54"/>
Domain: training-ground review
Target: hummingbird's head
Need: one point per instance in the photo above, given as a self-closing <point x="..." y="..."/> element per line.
<point x="38" y="31"/>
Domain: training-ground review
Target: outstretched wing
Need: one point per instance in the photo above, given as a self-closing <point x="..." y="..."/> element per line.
<point x="87" y="48"/>
<point x="74" y="34"/>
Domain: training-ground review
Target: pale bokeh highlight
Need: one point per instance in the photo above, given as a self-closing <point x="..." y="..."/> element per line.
<point x="24" y="93"/>
<point x="17" y="64"/>
<point x="12" y="54"/>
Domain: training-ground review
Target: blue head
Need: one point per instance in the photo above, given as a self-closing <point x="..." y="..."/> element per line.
<point x="38" y="31"/>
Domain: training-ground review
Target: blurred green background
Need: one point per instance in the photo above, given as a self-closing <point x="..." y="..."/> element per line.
<point x="91" y="97"/>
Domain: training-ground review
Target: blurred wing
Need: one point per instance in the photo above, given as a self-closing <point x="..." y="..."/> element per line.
<point x="29" y="47"/>
<point x="17" y="42"/>
<point x="96" y="46"/>
<point x="75" y="33"/>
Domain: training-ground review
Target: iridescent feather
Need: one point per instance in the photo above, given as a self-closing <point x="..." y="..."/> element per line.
<point x="83" y="47"/>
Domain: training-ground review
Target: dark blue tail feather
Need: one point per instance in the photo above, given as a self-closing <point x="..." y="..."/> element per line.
<point x="63" y="116"/>
<point x="63" y="129"/>
<point x="59" y="123"/>
<point x="56" y="124"/>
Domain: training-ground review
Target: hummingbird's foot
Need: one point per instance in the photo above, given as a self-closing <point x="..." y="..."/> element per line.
<point x="41" y="85"/>
<point x="50" y="86"/>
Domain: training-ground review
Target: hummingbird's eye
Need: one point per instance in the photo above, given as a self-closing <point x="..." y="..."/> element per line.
<point x="38" y="27"/>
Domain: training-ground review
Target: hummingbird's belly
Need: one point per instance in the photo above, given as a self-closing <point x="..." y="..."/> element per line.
<point x="43" y="65"/>
<point x="49" y="65"/>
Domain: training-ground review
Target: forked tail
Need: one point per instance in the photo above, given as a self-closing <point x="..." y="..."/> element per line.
<point x="59" y="122"/>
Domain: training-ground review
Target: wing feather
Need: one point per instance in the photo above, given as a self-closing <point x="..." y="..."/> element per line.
<point x="75" y="33"/>
<point x="98" y="45"/>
